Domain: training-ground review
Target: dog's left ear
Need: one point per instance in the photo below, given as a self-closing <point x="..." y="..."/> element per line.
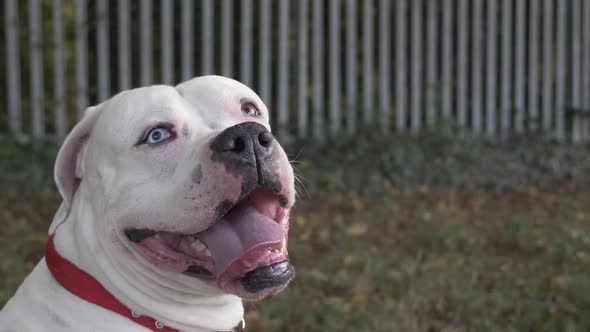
<point x="66" y="172"/>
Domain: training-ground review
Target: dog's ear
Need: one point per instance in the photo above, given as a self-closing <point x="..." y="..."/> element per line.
<point x="67" y="164"/>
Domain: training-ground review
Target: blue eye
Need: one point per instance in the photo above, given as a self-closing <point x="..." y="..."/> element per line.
<point x="157" y="135"/>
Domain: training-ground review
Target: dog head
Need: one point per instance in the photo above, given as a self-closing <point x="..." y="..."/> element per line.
<point x="187" y="180"/>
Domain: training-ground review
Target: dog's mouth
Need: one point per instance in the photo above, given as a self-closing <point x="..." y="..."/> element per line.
<point x="246" y="248"/>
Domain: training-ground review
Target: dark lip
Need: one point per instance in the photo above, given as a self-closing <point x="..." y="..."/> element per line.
<point x="269" y="276"/>
<point x="137" y="235"/>
<point x="199" y="272"/>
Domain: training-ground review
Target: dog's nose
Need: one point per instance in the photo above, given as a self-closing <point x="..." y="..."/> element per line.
<point x="247" y="142"/>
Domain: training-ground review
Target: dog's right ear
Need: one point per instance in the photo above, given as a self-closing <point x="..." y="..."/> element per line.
<point x="66" y="172"/>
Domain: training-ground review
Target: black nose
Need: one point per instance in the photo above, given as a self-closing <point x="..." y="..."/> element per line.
<point x="246" y="143"/>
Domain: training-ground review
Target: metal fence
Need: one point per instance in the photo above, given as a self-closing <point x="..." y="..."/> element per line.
<point x="323" y="67"/>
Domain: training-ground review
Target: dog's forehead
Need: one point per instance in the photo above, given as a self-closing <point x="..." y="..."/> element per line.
<point x="217" y="90"/>
<point x="135" y="107"/>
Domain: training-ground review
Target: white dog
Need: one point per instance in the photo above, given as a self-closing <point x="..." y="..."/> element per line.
<point x="175" y="207"/>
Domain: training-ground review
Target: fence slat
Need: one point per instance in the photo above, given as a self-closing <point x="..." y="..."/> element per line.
<point x="334" y="66"/>
<point x="519" y="67"/>
<point x="283" y="70"/>
<point x="548" y="66"/>
<point x="246" y="45"/>
<point x="431" y="61"/>
<point x="447" y="59"/>
<point x="207" y="40"/>
<point x="36" y="46"/>
<point x="351" y="60"/>
<point x="265" y="52"/>
<point x="302" y="68"/>
<point x="462" y="63"/>
<point x="416" y="106"/>
<point x="401" y="64"/>
<point x="476" y="120"/>
<point x="81" y="58"/>
<point x="103" y="50"/>
<point x="384" y="66"/>
<point x="167" y="42"/>
<point x="13" y="66"/>
<point x="586" y="75"/>
<point x="367" y="48"/>
<point x="560" y="70"/>
<point x="124" y="46"/>
<point x="491" y="37"/>
<point x="586" y="55"/>
<point x="187" y="37"/>
<point x="227" y="41"/>
<point x="59" y="90"/>
<point x="318" y="68"/>
<point x="145" y="45"/>
<point x="576" y="56"/>
<point x="506" y="70"/>
<point x="532" y="118"/>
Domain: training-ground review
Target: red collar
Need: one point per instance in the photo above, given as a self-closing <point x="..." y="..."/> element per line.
<point x="86" y="287"/>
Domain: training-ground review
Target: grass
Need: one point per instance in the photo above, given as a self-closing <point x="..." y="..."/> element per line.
<point x="430" y="257"/>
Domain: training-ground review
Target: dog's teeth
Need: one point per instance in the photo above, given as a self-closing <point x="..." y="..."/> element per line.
<point x="284" y="243"/>
<point x="207" y="252"/>
<point x="198" y="245"/>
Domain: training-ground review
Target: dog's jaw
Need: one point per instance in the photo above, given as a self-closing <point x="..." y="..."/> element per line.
<point x="251" y="236"/>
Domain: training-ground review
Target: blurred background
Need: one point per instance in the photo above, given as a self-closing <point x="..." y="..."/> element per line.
<point x="442" y="146"/>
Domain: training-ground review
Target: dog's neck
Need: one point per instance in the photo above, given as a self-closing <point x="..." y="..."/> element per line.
<point x="176" y="300"/>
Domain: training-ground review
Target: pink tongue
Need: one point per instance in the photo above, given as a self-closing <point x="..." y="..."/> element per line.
<point x="242" y="229"/>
